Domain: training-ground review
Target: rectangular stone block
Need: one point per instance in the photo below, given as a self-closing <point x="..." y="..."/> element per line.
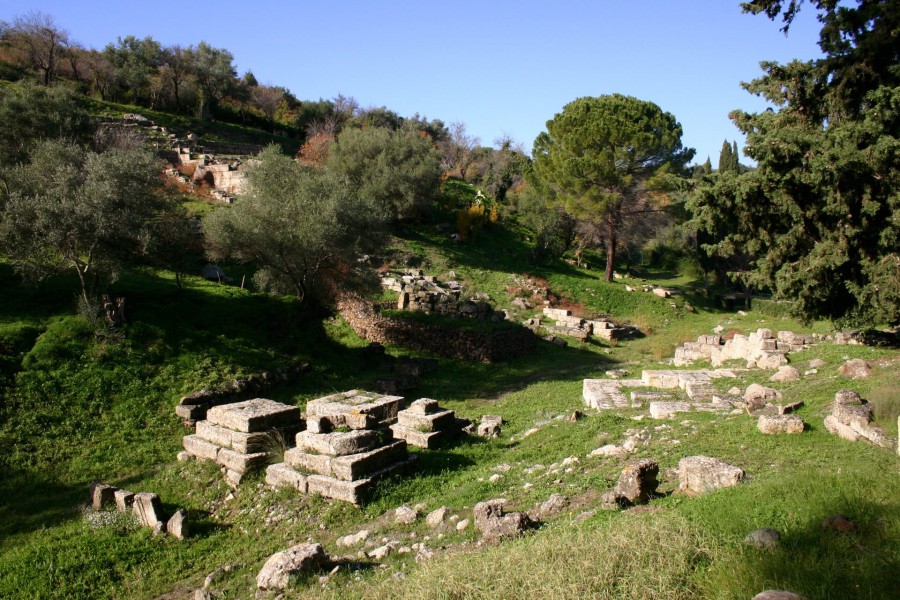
<point x="124" y="499"/>
<point x="306" y="462"/>
<point x="191" y="412"/>
<point x="340" y="443"/>
<point x="281" y="475"/>
<point x="348" y="491"/>
<point x="423" y="406"/>
<point x="433" y="422"/>
<point x="356" y="409"/>
<point x="254" y="415"/>
<point x="241" y="463"/>
<point x="200" y="448"/>
<point x="420" y="439"/>
<point x="358" y="466"/>
<point x="662" y="379"/>
<point x="102" y="495"/>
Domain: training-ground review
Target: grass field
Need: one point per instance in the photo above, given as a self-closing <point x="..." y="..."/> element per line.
<point x="78" y="408"/>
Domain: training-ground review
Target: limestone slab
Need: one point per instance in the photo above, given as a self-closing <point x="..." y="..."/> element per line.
<point x="420" y="439"/>
<point x="281" y="475"/>
<point x="239" y="462"/>
<point x="254" y="415"/>
<point x="428" y="422"/>
<point x="340" y="443"/>
<point x="356" y="409"/>
<point x="200" y="448"/>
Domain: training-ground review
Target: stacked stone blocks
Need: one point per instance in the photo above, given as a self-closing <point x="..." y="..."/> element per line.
<point x="425" y="424"/>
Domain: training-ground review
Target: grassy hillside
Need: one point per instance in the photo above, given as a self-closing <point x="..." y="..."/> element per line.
<point x="78" y="408"/>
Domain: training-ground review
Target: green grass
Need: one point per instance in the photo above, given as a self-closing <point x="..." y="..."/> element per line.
<point x="76" y="408"/>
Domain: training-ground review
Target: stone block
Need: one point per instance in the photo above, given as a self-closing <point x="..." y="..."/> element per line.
<point x="200" y="448"/>
<point x="148" y="509"/>
<point x="340" y="443"/>
<point x="306" y="462"/>
<point x="239" y="462"/>
<point x="667" y="410"/>
<point x="666" y="380"/>
<point x="423" y="406"/>
<point x="701" y="474"/>
<point x="124" y="500"/>
<point x="495" y="524"/>
<point x="178" y="525"/>
<point x="356" y="409"/>
<point x="639" y="397"/>
<point x="357" y="466"/>
<point x="775" y="424"/>
<point x="281" y="475"/>
<point x="254" y="415"/>
<point x="430" y="422"/>
<point x="191" y="412"/>
<point x="348" y="491"/>
<point x="637" y="482"/>
<point x="420" y="439"/>
<point x="102" y="496"/>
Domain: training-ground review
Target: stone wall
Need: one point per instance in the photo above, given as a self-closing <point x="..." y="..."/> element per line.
<point x="487" y="347"/>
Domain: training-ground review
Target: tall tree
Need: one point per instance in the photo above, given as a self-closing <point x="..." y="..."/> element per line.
<point x="821" y="213"/>
<point x="608" y="158"/>
<point x="215" y="73"/>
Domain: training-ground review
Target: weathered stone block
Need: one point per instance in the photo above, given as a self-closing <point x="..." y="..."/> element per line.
<point x="281" y="475"/>
<point x="191" y="412"/>
<point x="124" y="500"/>
<point x="200" y="448"/>
<point x="423" y="406"/>
<point x="427" y="422"/>
<point x="775" y="424"/>
<point x="637" y="482"/>
<point x="494" y="523"/>
<point x="254" y="415"/>
<point x="239" y="462"/>
<point x="340" y="443"/>
<point x="356" y="466"/>
<point x="148" y="509"/>
<point x="178" y="525"/>
<point x="102" y="495"/>
<point x="701" y="474"/>
<point x="420" y="439"/>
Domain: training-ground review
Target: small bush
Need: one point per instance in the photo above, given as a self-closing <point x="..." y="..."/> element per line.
<point x="885" y="401"/>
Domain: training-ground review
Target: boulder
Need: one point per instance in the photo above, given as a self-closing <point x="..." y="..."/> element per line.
<point x="757" y="396"/>
<point x="495" y="524"/>
<point x="855" y="368"/>
<point x="405" y="515"/>
<point x="302" y="558"/>
<point x="637" y="482"/>
<point x="701" y="474"/>
<point x="774" y="424"/>
<point x="785" y="373"/>
<point x="437" y="516"/>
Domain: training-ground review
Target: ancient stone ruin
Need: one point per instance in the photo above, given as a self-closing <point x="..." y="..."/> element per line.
<point x="582" y="329"/>
<point x="851" y="419"/>
<point x="762" y="348"/>
<point x="425" y="293"/>
<point x="242" y="436"/>
<point x="145" y="506"/>
<point x="346" y="446"/>
<point x="425" y="424"/>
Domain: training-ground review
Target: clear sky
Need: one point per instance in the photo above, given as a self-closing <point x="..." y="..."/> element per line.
<point x="499" y="66"/>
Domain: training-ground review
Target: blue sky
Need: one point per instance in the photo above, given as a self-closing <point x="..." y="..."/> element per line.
<point x="499" y="66"/>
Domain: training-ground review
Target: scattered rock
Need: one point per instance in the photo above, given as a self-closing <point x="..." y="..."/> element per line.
<point x="405" y="515"/>
<point x="353" y="539"/>
<point x="437" y="516"/>
<point x="554" y="504"/>
<point x="462" y="525"/>
<point x="495" y="478"/>
<point x="785" y="373"/>
<point x="774" y="424"/>
<point x="177" y="525"/>
<point x="816" y="363"/>
<point x="102" y="495"/>
<point x="494" y="523"/>
<point x="855" y="368"/>
<point x="610" y="450"/>
<point x="381" y="552"/>
<point x="701" y="474"/>
<point x="763" y="537"/>
<point x="838" y="524"/>
<point x="490" y="426"/>
<point x="757" y="396"/>
<point x="637" y="483"/>
<point x="302" y="558"/>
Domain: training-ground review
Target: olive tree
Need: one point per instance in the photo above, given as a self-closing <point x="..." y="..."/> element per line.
<point x="86" y="212"/>
<point x="301" y="227"/>
<point x="608" y="159"/>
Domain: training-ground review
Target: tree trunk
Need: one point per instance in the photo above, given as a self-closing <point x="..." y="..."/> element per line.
<point x="611" y="239"/>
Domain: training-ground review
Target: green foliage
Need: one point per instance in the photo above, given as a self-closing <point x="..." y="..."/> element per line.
<point x="300" y="226"/>
<point x="819" y="220"/>
<point x="85" y="211"/>
<point x="31" y="113"/>
<point x="606" y="157"/>
<point x="395" y="172"/>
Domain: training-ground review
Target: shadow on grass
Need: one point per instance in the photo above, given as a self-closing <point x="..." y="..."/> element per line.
<point x="31" y="501"/>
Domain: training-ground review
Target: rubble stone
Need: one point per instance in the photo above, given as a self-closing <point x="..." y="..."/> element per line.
<point x="637" y="482"/>
<point x="775" y="424"/>
<point x="701" y="474"/>
<point x="302" y="558"/>
<point x="148" y="510"/>
<point x="495" y="524"/>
